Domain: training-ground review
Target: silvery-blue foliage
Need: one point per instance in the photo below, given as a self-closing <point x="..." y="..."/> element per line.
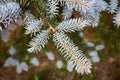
<point x="90" y="9"/>
<point x="2" y="2"/>
<point x="94" y="21"/>
<point x="117" y="18"/>
<point x="34" y="26"/>
<point x="67" y="13"/>
<point x="9" y="12"/>
<point x="28" y="17"/>
<point x="87" y="7"/>
<point x="113" y="6"/>
<point x="72" y="53"/>
<point x="39" y="41"/>
<point x="64" y="44"/>
<point x="52" y="8"/>
<point x="72" y="25"/>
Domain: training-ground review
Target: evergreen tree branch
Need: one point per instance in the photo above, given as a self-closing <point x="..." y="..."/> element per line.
<point x="39" y="41"/>
<point x="34" y="26"/>
<point x="71" y="53"/>
<point x="44" y="19"/>
<point x="72" y="25"/>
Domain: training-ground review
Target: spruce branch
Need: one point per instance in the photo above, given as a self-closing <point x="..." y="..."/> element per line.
<point x="39" y="41"/>
<point x="87" y="8"/>
<point x="44" y="19"/>
<point x="72" y="53"/>
<point x="33" y="26"/>
<point x="85" y="4"/>
<point x="52" y="10"/>
<point x="112" y="8"/>
<point x="67" y="13"/>
<point x="72" y="25"/>
<point x="9" y="12"/>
